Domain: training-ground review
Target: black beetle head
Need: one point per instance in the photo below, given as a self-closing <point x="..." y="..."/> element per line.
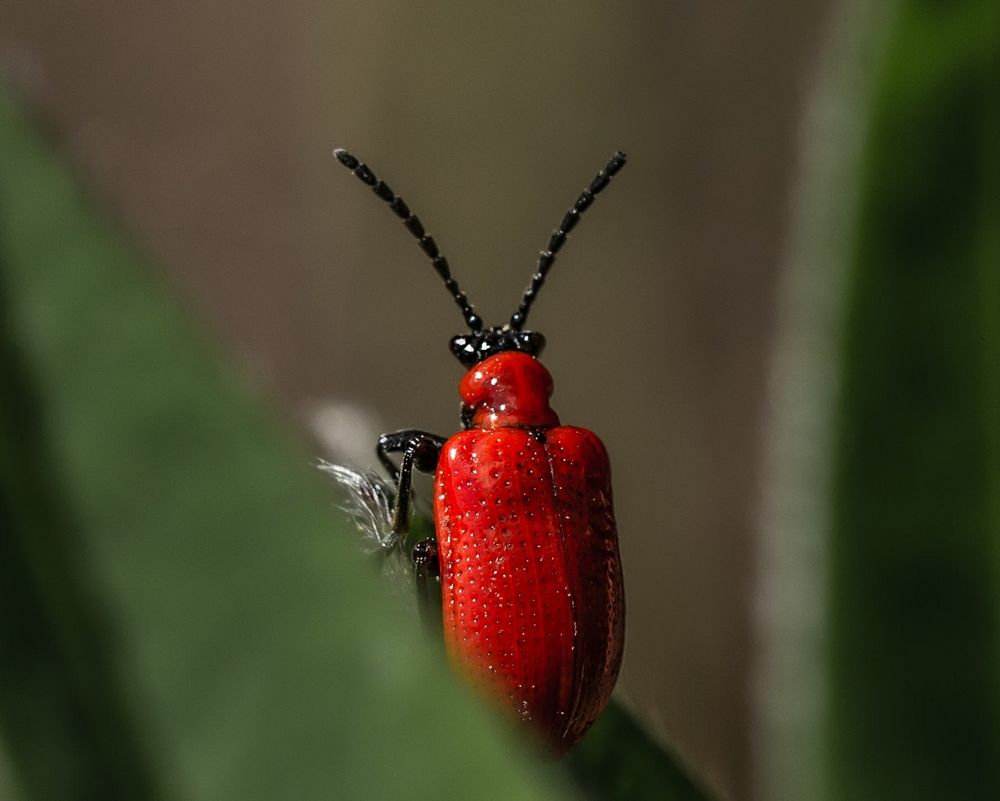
<point x="475" y="346"/>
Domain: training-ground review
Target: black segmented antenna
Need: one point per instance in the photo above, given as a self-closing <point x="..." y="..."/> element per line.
<point x="415" y="227"/>
<point x="558" y="238"/>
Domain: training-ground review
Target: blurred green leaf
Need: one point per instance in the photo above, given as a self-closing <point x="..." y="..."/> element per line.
<point x="913" y="685"/>
<point x="59" y="700"/>
<point x="184" y="615"/>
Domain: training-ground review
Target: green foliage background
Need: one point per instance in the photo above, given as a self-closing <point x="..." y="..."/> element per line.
<point x="913" y="707"/>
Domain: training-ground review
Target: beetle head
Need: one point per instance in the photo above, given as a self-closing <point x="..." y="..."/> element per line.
<point x="475" y="346"/>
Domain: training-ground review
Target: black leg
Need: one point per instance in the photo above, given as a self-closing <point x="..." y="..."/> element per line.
<point x="420" y="451"/>
<point x="427" y="575"/>
<point x="425" y="559"/>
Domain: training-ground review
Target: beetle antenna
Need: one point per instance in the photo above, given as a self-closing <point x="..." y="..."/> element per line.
<point x="558" y="238"/>
<point x="415" y="227"/>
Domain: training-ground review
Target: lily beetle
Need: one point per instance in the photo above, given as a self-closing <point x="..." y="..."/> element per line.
<point x="526" y="545"/>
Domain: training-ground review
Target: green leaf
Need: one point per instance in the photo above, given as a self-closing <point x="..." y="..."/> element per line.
<point x="617" y="759"/>
<point x="184" y="615"/>
<point x="59" y="700"/>
<point x="913" y="634"/>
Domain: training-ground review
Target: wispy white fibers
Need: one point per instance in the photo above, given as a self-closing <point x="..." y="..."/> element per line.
<point x="368" y="500"/>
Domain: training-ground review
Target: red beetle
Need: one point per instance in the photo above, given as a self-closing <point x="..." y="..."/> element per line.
<point x="526" y="545"/>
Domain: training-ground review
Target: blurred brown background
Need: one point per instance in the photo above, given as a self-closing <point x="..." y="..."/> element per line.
<point x="208" y="129"/>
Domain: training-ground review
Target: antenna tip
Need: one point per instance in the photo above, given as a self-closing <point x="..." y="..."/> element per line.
<point x="617" y="162"/>
<point x="345" y="158"/>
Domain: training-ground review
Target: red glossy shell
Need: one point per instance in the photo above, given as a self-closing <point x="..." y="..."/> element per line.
<point x="531" y="578"/>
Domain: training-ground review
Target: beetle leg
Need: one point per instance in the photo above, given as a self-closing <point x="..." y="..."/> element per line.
<point x="420" y="451"/>
<point x="427" y="575"/>
<point x="391" y="443"/>
<point x="401" y="510"/>
<point x="425" y="557"/>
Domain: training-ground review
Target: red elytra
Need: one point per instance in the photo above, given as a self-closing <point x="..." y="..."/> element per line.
<point x="531" y="579"/>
